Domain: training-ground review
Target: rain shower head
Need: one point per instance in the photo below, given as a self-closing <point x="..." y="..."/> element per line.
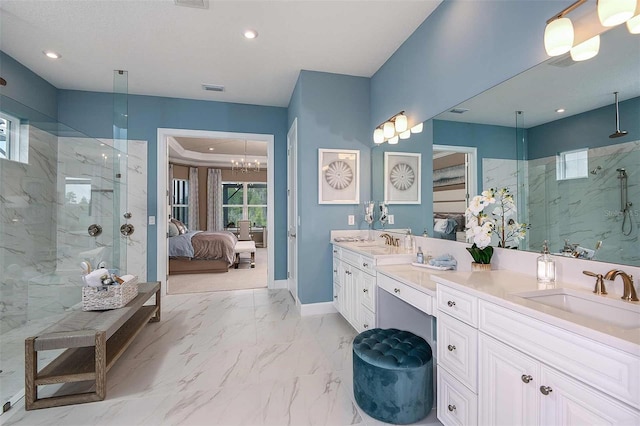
<point x="618" y="133"/>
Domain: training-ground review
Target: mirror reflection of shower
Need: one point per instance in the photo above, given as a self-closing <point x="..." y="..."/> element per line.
<point x="625" y="204"/>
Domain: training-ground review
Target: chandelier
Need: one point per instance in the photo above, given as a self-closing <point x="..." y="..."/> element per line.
<point x="243" y="165"/>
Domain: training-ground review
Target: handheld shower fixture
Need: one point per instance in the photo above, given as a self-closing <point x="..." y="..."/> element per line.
<point x="625" y="205"/>
<point x="618" y="132"/>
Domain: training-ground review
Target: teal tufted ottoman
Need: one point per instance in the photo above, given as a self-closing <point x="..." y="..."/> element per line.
<point x="393" y="375"/>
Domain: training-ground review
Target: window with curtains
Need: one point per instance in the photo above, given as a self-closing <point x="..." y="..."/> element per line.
<point x="244" y="200"/>
<point x="180" y="201"/>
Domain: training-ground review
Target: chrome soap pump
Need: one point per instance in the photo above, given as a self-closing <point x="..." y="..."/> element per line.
<point x="546" y="271"/>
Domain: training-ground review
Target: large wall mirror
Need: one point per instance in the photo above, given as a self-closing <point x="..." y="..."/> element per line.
<point x="575" y="186"/>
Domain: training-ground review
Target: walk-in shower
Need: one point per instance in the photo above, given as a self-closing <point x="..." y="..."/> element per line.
<point x="625" y="204"/>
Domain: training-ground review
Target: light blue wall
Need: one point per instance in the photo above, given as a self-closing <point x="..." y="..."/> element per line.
<point x="27" y="88"/>
<point x="590" y="129"/>
<point x="332" y="112"/>
<point x="91" y="113"/>
<point x="463" y="48"/>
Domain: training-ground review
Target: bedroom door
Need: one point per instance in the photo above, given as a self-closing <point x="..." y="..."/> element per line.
<point x="292" y="210"/>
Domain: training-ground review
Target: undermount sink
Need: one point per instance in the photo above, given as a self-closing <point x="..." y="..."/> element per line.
<point x="607" y="310"/>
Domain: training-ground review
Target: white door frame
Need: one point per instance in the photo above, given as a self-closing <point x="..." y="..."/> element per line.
<point x="162" y="178"/>
<point x="292" y="209"/>
<point x="472" y="178"/>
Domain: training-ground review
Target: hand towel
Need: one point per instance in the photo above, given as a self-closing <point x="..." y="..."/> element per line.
<point x="94" y="279"/>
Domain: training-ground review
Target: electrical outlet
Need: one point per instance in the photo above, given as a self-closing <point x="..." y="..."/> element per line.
<point x="391" y="219"/>
<point x="352" y="219"/>
<point x="152" y="220"/>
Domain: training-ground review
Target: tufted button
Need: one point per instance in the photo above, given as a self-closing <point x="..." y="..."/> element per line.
<point x="392" y="348"/>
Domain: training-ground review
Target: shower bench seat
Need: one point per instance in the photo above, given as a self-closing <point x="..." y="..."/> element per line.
<point x="93" y="342"/>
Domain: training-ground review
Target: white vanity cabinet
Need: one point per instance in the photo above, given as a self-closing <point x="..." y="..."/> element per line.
<point x="354" y="288"/>
<point x="501" y="367"/>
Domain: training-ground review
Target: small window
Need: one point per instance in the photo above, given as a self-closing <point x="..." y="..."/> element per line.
<point x="572" y="164"/>
<point x="10" y="139"/>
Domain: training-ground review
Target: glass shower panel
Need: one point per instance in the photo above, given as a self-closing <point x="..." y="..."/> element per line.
<point x="62" y="183"/>
<point x="522" y="175"/>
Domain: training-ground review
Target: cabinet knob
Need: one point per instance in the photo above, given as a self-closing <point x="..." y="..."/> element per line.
<point x="451" y="348"/>
<point x="545" y="390"/>
<point x="526" y="378"/>
<point x="335" y="297"/>
<point x="365" y="325"/>
<point x="335" y="251"/>
<point x="365" y="264"/>
<point x="451" y="303"/>
<point x="396" y="290"/>
<point x="365" y="290"/>
<point x="451" y="407"/>
<point x="335" y="270"/>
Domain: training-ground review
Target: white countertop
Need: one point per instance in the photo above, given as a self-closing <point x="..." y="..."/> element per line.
<point x="415" y="277"/>
<point x="379" y="251"/>
<point x="501" y="286"/>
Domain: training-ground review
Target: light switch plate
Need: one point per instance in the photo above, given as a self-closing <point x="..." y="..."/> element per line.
<point x="352" y="219"/>
<point x="391" y="219"/>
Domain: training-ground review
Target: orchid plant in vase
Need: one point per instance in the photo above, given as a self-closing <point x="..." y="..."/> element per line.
<point x="500" y="223"/>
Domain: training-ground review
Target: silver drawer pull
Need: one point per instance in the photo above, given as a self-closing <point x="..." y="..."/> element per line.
<point x="335" y="297"/>
<point x="451" y="303"/>
<point x="366" y="265"/>
<point x="366" y="325"/>
<point x="396" y="290"/>
<point x="526" y="378"/>
<point x="335" y="270"/>
<point x="451" y="348"/>
<point x="451" y="407"/>
<point x="365" y="290"/>
<point x="335" y="251"/>
<point x="545" y="390"/>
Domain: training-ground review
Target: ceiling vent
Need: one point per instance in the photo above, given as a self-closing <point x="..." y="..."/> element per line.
<point x="562" y="61"/>
<point x="200" y="4"/>
<point x="213" y="87"/>
<point x="459" y="110"/>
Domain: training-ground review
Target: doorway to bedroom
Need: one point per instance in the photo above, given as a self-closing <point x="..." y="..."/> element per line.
<point x="219" y="202"/>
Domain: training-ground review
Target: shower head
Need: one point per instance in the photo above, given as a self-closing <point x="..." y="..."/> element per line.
<point x="618" y="133"/>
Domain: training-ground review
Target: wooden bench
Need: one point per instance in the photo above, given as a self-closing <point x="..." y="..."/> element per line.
<point x="94" y="341"/>
<point x="245" y="247"/>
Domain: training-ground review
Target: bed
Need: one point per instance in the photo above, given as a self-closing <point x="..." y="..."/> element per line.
<point x="197" y="252"/>
<point x="445" y="225"/>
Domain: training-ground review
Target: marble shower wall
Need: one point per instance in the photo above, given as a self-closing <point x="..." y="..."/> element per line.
<point x="27" y="224"/>
<point x="587" y="210"/>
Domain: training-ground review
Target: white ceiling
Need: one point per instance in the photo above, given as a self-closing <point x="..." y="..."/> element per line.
<point x="171" y="50"/>
<point x="579" y="87"/>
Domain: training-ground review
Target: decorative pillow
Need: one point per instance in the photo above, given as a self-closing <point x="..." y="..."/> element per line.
<point x="440" y="225"/>
<point x="181" y="227"/>
<point x="173" y="229"/>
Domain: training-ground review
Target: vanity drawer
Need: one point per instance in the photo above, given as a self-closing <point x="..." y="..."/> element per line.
<point x="457" y="405"/>
<point x="367" y="264"/>
<point x="458" y="350"/>
<point x="367" y="320"/>
<point x="410" y="295"/>
<point x="458" y="304"/>
<point x="351" y="258"/>
<point x="337" y="252"/>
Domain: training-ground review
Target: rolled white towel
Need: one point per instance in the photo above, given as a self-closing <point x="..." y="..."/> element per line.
<point x="93" y="279"/>
<point x="127" y="277"/>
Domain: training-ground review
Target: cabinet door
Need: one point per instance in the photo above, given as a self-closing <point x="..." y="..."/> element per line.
<point x="348" y="292"/>
<point x="508" y="385"/>
<point x="368" y="289"/>
<point x="337" y="297"/>
<point x="565" y="401"/>
<point x="337" y="277"/>
<point x="458" y="350"/>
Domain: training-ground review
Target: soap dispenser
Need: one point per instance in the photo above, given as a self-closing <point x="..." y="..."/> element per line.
<point x="420" y="256"/>
<point x="408" y="241"/>
<point x="546" y="271"/>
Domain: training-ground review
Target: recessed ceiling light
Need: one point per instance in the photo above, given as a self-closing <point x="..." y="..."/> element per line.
<point x="250" y="34"/>
<point x="51" y="54"/>
<point x="560" y="110"/>
<point x="211" y="148"/>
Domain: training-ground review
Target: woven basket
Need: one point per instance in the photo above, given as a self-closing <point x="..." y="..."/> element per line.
<point x="109" y="296"/>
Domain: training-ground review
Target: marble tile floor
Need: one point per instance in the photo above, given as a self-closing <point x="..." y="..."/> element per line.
<point x="241" y="357"/>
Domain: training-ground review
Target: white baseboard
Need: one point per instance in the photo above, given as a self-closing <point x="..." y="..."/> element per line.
<point x="317" y="309"/>
<point x="279" y="284"/>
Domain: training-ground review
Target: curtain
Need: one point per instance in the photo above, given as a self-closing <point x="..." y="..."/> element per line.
<point x="194" y="205"/>
<point x="170" y="206"/>
<point x="214" y="200"/>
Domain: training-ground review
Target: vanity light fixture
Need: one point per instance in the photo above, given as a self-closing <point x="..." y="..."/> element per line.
<point x="51" y="54"/>
<point x="633" y="25"/>
<point x="417" y="128"/>
<point x="614" y="12"/>
<point x="558" y="36"/>
<point x="395" y="128"/>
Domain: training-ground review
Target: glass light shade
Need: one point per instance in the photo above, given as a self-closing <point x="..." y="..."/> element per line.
<point x="633" y="25"/>
<point x="417" y="128"/>
<point x="393" y="140"/>
<point x="388" y="130"/>
<point x="558" y="36"/>
<point x="405" y="135"/>
<point x="586" y="50"/>
<point x="401" y="123"/>
<point x="378" y="135"/>
<point x="614" y="12"/>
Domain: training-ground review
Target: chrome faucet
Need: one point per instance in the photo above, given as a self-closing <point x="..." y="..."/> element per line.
<point x="629" y="292"/>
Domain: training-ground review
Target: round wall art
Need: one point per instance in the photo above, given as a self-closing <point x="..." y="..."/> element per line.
<point x="338" y="175"/>
<point x="402" y="176"/>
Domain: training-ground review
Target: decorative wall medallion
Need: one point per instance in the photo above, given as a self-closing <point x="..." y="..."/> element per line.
<point x="402" y="176"/>
<point x="338" y="175"/>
